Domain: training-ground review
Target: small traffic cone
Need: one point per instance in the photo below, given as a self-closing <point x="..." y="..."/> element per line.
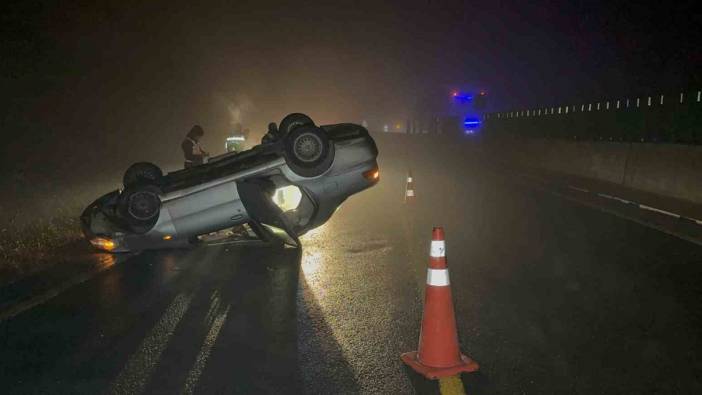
<point x="438" y="355"/>
<point x="409" y="190"/>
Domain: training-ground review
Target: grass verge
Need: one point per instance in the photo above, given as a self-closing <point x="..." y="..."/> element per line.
<point x="32" y="247"/>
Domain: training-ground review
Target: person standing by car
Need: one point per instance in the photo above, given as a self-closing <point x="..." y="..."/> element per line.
<point x="272" y="134"/>
<point x="193" y="152"/>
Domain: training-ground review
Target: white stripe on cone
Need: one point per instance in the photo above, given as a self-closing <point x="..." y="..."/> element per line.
<point x="438" y="277"/>
<point x="409" y="179"/>
<point x="410" y="193"/>
<point x="438" y="249"/>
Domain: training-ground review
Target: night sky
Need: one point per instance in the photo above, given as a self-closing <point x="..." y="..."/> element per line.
<point x="144" y="72"/>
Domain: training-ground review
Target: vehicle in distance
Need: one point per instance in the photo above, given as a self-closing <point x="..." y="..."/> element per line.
<point x="280" y="189"/>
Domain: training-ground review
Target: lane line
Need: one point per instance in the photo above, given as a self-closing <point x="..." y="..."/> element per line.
<point x="619" y="214"/>
<point x="639" y="205"/>
<point x="451" y="386"/>
<point x="201" y="360"/>
<point x="604" y="195"/>
<point x="578" y="189"/>
<point x="138" y="369"/>
<point x="657" y="210"/>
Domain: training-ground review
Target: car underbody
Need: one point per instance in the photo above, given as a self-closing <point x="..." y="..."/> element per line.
<point x="279" y="190"/>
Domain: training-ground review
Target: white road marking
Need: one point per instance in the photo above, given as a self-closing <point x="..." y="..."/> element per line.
<point x="138" y="369"/>
<point x="578" y="189"/>
<point x="657" y="210"/>
<point x="620" y="214"/>
<point x="205" y="350"/>
<point x="604" y="195"/>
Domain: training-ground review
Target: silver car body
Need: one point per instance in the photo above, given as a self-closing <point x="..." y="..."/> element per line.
<point x="234" y="189"/>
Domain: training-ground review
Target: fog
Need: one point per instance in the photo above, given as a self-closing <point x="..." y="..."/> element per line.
<point x="121" y="81"/>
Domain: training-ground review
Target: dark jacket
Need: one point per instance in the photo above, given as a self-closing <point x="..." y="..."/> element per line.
<point x="192" y="152"/>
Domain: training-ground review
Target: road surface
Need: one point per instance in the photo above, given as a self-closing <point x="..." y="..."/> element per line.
<point x="551" y="297"/>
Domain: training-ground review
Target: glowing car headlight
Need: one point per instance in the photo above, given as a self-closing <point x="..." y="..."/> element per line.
<point x="103" y="243"/>
<point x="287" y="198"/>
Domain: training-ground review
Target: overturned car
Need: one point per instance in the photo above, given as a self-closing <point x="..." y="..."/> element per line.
<point x="280" y="189"/>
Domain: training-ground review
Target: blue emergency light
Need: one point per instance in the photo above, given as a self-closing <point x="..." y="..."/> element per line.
<point x="471" y="123"/>
<point x="461" y="96"/>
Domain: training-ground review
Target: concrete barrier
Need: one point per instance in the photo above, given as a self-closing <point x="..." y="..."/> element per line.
<point x="670" y="170"/>
<point x="665" y="169"/>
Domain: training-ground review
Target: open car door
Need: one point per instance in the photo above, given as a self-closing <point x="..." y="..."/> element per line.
<point x="268" y="220"/>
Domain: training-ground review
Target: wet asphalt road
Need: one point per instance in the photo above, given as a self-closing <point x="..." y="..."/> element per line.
<point x="551" y="297"/>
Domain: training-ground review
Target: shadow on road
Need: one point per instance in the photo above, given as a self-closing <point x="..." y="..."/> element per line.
<point x="210" y="320"/>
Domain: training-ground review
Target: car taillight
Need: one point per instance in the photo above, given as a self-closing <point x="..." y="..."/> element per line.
<point x="372" y="175"/>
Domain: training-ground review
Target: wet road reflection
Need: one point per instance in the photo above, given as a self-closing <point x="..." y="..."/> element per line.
<point x="142" y="363"/>
<point x="535" y="279"/>
<point x="169" y="322"/>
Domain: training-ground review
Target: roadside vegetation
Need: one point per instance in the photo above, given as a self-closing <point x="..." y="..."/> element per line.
<point x="41" y="199"/>
<point x="28" y="248"/>
<point x="39" y="222"/>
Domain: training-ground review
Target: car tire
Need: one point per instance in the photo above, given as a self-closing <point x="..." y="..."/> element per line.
<point x="308" y="151"/>
<point x="292" y="122"/>
<point x="142" y="173"/>
<point x="140" y="207"/>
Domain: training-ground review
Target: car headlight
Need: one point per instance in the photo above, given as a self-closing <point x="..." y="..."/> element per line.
<point x="287" y="198"/>
<point x="103" y="243"/>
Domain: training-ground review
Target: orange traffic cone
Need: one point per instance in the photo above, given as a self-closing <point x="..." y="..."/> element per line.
<point x="409" y="190"/>
<point x="438" y="354"/>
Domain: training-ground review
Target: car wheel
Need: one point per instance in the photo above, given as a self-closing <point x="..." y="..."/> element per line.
<point x="292" y="122"/>
<point x="140" y="207"/>
<point x="308" y="151"/>
<point x="142" y="173"/>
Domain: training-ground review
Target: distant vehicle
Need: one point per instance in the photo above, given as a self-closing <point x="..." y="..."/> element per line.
<point x="470" y="125"/>
<point x="279" y="189"/>
<point x="470" y="107"/>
